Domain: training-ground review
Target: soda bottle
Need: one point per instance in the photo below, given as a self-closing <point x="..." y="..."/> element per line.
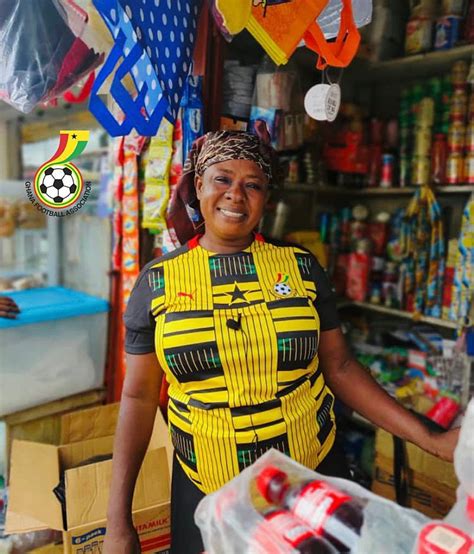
<point x="281" y="527"/>
<point x="327" y="511"/>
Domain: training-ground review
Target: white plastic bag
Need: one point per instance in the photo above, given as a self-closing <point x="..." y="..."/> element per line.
<point x="329" y="19"/>
<point x="229" y="517"/>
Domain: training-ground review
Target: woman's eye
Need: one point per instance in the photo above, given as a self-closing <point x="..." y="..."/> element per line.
<point x="221" y="179"/>
<point x="254" y="186"/>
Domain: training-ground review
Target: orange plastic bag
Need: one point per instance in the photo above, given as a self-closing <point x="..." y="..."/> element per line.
<point x="279" y="26"/>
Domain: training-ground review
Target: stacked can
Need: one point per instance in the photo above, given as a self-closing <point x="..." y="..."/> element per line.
<point x="405" y="121"/>
<point x="424" y="122"/>
<point x="457" y="123"/>
<point x="468" y="172"/>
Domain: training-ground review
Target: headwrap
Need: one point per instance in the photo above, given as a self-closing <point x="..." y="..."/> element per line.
<point x="215" y="147"/>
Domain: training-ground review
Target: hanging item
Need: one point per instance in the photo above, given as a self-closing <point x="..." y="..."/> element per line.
<point x="42" y="51"/>
<point x="462" y="296"/>
<point x="422" y="241"/>
<point x="279" y="26"/>
<point x="153" y="42"/>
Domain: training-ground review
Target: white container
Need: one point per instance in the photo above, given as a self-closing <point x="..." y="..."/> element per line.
<point x="55" y="348"/>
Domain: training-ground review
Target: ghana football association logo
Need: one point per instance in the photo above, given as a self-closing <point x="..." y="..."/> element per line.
<point x="58" y="188"/>
<point x="281" y="288"/>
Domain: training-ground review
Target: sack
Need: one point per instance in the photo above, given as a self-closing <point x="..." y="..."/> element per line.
<point x="279" y="27"/>
<point x="42" y="51"/>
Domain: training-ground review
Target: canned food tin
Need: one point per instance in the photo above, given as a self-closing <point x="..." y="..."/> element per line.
<point x="418" y="35"/>
<point x="453" y="7"/>
<point x="468" y="173"/>
<point x="459" y="72"/>
<point x="447" y="32"/>
<point x="458" y="107"/>
<point x="425" y="114"/>
<point x="422" y="141"/>
<point x="405" y="171"/>
<point x="387" y="172"/>
<point x="456" y="137"/>
<point x="420" y="173"/>
<point x="454" y="168"/>
<point x="469" y="142"/>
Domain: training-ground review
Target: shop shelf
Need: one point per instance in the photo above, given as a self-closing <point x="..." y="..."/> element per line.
<point x="412" y="67"/>
<point x="378" y="191"/>
<point x="346" y="303"/>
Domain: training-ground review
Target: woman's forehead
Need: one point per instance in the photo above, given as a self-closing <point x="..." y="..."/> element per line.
<point x="233" y="167"/>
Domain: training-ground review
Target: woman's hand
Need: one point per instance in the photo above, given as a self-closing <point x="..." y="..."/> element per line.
<point x="441" y="444"/>
<point x="122" y="539"/>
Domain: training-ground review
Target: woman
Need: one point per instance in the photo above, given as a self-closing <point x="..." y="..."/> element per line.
<point x="248" y="336"/>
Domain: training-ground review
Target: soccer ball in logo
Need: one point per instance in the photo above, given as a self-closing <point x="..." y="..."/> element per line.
<point x="58" y="184"/>
<point x="282" y="289"/>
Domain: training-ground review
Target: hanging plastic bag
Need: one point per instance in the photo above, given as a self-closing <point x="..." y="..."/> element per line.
<point x="279" y="27"/>
<point x="42" y="51"/>
<point x="330" y="17"/>
<point x="153" y="43"/>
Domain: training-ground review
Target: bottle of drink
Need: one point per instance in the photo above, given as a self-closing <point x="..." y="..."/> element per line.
<point x="282" y="527"/>
<point x="329" y="512"/>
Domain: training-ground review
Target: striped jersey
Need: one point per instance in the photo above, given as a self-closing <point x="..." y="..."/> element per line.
<point x="237" y="337"/>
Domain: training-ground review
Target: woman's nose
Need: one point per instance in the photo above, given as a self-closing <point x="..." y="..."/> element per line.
<point x="235" y="192"/>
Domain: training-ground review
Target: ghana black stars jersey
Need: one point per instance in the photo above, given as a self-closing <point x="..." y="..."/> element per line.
<point x="237" y="337"/>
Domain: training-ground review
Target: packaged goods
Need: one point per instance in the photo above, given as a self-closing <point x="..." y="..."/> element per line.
<point x="447" y="31"/>
<point x="418" y="36"/>
<point x="439" y="158"/>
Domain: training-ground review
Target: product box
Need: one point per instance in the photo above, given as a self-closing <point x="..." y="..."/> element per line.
<point x="37" y="469"/>
<point x="432" y="482"/>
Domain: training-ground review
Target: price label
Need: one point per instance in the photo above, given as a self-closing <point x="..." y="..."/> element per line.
<point x="315" y="102"/>
<point x="333" y="102"/>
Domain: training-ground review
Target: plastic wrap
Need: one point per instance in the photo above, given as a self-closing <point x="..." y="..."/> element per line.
<point x="228" y="519"/>
<point x="42" y="51"/>
<point x="330" y="17"/>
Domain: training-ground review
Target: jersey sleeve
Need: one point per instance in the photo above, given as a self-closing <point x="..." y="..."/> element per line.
<point x="325" y="302"/>
<point x="139" y="323"/>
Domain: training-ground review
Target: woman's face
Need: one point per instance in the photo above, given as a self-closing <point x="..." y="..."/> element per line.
<point x="232" y="196"/>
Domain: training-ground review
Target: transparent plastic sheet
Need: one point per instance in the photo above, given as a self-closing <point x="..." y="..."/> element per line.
<point x="330" y="17"/>
<point x="229" y="517"/>
<point x="42" y="51"/>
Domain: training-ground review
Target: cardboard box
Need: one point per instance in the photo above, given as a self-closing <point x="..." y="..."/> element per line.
<point x="432" y="482"/>
<point x="36" y="469"/>
<point x="430" y="498"/>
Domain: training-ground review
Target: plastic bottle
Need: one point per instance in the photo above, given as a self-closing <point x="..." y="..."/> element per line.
<point x="329" y="512"/>
<point x="281" y="525"/>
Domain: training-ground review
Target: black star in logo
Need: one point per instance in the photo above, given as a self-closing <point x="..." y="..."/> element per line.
<point x="237" y="294"/>
<point x="74" y="136"/>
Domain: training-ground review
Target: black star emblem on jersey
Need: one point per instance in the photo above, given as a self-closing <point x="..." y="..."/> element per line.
<point x="237" y="294"/>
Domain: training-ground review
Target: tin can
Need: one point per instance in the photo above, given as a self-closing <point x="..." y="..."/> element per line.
<point x="468" y="172"/>
<point x="439" y="154"/>
<point x="459" y="72"/>
<point x="388" y="170"/>
<point x="458" y="107"/>
<point x="447" y="32"/>
<point x="405" y="171"/>
<point x="325" y="226"/>
<point x="456" y="136"/>
<point x="454" y="168"/>
<point x="422" y="141"/>
<point x="425" y="113"/>
<point x="453" y="7"/>
<point x="420" y="171"/>
<point x="418" y="35"/>
<point x="469" y="141"/>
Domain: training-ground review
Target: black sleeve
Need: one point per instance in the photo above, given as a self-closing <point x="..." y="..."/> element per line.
<point x="325" y="302"/>
<point x="139" y="323"/>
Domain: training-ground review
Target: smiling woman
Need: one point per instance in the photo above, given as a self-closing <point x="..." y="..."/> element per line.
<point x="247" y="334"/>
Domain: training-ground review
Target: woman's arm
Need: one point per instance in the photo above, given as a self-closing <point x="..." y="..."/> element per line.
<point x="352" y="384"/>
<point x="138" y="407"/>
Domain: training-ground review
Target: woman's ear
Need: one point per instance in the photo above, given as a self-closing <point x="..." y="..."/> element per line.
<point x="198" y="183"/>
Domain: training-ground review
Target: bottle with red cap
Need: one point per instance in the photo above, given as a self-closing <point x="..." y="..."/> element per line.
<point x="281" y="527"/>
<point x="329" y="512"/>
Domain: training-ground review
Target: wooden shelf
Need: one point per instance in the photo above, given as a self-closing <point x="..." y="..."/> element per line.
<point x="300" y="187"/>
<point x="412" y="67"/>
<point x="346" y="303"/>
<point x="378" y="191"/>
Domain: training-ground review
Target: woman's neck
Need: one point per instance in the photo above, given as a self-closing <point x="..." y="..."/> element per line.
<point x="225" y="246"/>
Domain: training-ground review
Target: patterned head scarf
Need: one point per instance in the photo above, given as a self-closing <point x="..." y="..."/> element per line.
<point x="212" y="148"/>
